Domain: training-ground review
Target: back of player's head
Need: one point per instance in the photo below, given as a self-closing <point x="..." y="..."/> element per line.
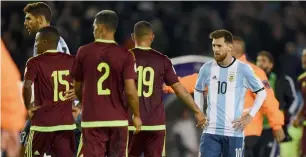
<point x="142" y="28"/>
<point x="268" y="55"/>
<point x="108" y="18"/>
<point x="222" y="33"/>
<point x="49" y="34"/>
<point x="238" y="38"/>
<point x="39" y="9"/>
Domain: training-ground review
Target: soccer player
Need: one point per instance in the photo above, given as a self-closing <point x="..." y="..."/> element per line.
<point x="13" y="112"/>
<point x="227" y="80"/>
<point x="104" y="75"/>
<point x="38" y="15"/>
<point x="300" y="120"/>
<point x="52" y="123"/>
<point x="153" y="70"/>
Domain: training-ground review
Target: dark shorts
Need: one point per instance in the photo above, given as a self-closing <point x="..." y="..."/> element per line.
<point x="217" y="145"/>
<point x="25" y="133"/>
<point x="57" y="144"/>
<point x="151" y="143"/>
<point x="104" y="141"/>
<point x="304" y="142"/>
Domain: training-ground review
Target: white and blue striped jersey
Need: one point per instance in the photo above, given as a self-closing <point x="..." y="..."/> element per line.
<point x="61" y="47"/>
<point x="226" y="91"/>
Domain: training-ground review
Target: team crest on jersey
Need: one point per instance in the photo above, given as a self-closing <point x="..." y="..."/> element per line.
<point x="231" y="77"/>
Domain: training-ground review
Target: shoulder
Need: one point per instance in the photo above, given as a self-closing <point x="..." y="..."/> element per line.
<point x="250" y="67"/>
<point x="34" y="59"/>
<point x="206" y="67"/>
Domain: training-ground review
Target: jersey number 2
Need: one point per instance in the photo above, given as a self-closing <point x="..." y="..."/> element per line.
<point x="222" y="87"/>
<point x="100" y="89"/>
<point x="58" y="79"/>
<point x="142" y="80"/>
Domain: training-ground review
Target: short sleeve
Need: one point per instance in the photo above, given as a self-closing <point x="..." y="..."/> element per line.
<point x="251" y="79"/>
<point x="77" y="69"/>
<point x="129" y="71"/>
<point x="30" y="71"/>
<point x="200" y="84"/>
<point x="170" y="76"/>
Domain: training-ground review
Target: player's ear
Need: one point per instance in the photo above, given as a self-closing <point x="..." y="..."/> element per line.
<point x="133" y="36"/>
<point x="230" y="47"/>
<point x="152" y="37"/>
<point x="40" y="19"/>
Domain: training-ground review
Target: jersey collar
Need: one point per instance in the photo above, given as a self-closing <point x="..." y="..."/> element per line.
<point x="104" y="41"/>
<point x="143" y="48"/>
<point x="51" y="51"/>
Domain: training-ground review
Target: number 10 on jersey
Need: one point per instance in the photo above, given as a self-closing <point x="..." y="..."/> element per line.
<point x="143" y="80"/>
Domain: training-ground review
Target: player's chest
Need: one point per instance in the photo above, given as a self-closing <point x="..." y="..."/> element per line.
<point x="225" y="79"/>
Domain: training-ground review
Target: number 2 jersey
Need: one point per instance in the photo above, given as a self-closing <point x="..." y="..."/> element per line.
<point x="51" y="75"/>
<point x="102" y="67"/>
<point x="153" y="70"/>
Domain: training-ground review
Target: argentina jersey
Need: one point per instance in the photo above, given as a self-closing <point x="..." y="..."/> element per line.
<point x="226" y="91"/>
<point x="61" y="47"/>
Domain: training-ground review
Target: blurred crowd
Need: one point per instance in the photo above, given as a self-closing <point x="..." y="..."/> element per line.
<point x="181" y="28"/>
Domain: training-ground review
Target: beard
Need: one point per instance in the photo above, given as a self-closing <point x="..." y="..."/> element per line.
<point x="220" y="58"/>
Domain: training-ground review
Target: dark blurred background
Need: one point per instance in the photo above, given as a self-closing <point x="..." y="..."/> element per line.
<point x="181" y="28"/>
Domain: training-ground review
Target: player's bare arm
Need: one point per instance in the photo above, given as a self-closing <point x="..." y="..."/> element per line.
<point x="133" y="100"/>
<point x="78" y="90"/>
<point x="27" y="95"/>
<point x="184" y="95"/>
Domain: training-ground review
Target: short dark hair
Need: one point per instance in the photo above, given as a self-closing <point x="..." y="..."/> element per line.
<point x="238" y="38"/>
<point x="107" y="17"/>
<point x="50" y="33"/>
<point x="39" y="9"/>
<point x="222" y="33"/>
<point x="268" y="55"/>
<point x="142" y="28"/>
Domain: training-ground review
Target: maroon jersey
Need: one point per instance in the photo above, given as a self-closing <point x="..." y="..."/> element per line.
<point x="50" y="73"/>
<point x="302" y="83"/>
<point x="153" y="69"/>
<point x="102" y="67"/>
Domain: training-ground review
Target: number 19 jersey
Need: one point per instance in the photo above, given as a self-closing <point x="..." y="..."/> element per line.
<point x="50" y="73"/>
<point x="153" y="70"/>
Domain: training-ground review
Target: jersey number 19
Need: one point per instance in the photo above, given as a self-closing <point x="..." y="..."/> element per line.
<point x="143" y="80"/>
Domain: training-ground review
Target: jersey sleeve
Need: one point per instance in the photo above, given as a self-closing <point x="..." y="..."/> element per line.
<point x="170" y="76"/>
<point x="30" y="71"/>
<point x="200" y="83"/>
<point x="129" y="71"/>
<point x="77" y="69"/>
<point x="251" y="79"/>
<point x="62" y="46"/>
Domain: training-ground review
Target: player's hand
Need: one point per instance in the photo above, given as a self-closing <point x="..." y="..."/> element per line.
<point x="137" y="123"/>
<point x="32" y="110"/>
<point x="279" y="135"/>
<point x="75" y="112"/>
<point x="242" y="122"/>
<point x="202" y="120"/>
<point x="70" y="95"/>
<point x="10" y="142"/>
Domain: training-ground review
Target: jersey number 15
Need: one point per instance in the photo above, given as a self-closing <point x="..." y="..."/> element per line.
<point x="58" y="79"/>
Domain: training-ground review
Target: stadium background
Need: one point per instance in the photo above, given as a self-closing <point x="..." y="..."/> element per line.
<point x="181" y="28"/>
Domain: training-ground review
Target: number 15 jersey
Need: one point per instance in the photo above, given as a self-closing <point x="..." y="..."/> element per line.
<point x="153" y="70"/>
<point x="226" y="90"/>
<point x="51" y="75"/>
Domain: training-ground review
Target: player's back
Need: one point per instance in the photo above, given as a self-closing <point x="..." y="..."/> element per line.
<point x="51" y="73"/>
<point x="103" y="66"/>
<point x="153" y="69"/>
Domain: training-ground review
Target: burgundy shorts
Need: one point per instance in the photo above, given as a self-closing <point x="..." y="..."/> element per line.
<point x="57" y="144"/>
<point x="151" y="143"/>
<point x="104" y="141"/>
<point x="304" y="142"/>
